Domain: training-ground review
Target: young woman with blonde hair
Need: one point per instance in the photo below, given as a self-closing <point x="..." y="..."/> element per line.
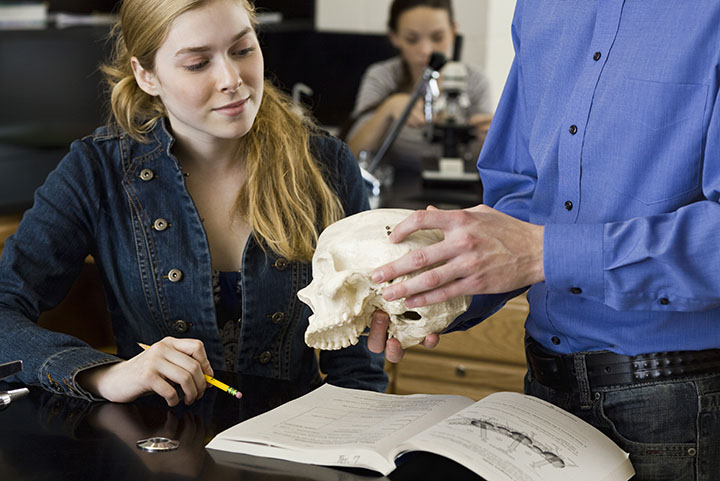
<point x="201" y="202"/>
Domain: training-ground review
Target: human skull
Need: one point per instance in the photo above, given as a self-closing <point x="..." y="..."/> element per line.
<point x="342" y="295"/>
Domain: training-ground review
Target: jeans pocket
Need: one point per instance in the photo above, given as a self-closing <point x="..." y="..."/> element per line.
<point x="709" y="439"/>
<point x="657" y="425"/>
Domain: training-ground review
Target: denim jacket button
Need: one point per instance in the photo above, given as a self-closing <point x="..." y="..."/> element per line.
<point x="281" y="264"/>
<point x="160" y="224"/>
<point x="175" y="275"/>
<point x="180" y="326"/>
<point x="278" y="317"/>
<point x="147" y="174"/>
<point x="265" y="357"/>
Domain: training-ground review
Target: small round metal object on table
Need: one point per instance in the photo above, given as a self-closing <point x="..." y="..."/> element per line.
<point x="158" y="444"/>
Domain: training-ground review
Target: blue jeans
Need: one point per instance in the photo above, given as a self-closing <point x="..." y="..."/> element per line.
<point x="670" y="428"/>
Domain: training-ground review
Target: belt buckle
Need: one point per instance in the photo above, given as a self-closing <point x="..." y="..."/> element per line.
<point x="548" y="368"/>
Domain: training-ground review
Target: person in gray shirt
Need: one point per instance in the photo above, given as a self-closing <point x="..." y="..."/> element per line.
<point x="417" y="28"/>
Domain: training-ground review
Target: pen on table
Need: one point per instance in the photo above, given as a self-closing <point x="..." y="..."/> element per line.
<point x="212" y="381"/>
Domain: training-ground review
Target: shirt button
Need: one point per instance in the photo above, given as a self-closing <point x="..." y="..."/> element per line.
<point x="265" y="357"/>
<point x="278" y="317"/>
<point x="175" y="275"/>
<point x="596" y="56"/>
<point x="281" y="264"/>
<point x="568" y="205"/>
<point x="576" y="290"/>
<point x="555" y="340"/>
<point x="180" y="326"/>
<point x="147" y="174"/>
<point x="573" y="129"/>
<point x="664" y="301"/>
<point x="160" y="224"/>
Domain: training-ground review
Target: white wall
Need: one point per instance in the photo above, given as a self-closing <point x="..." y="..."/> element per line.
<point x="498" y="47"/>
<point x="484" y="24"/>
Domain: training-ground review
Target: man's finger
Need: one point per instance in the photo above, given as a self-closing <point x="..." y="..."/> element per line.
<point x="420" y="219"/>
<point x="431" y="341"/>
<point x="411" y="262"/>
<point x="378" y="332"/>
<point x="393" y="350"/>
<point x="430" y="280"/>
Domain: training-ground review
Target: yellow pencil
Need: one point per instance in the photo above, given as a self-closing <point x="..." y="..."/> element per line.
<point x="212" y="381"/>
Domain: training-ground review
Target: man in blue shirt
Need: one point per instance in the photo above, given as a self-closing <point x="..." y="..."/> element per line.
<point x="602" y="187"/>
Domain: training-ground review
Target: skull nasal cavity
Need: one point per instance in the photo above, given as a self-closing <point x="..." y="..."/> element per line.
<point x="412" y="315"/>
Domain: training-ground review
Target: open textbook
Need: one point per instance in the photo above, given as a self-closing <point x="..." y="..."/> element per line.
<point x="503" y="437"/>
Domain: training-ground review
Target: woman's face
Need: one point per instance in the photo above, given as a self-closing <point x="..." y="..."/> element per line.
<point x="208" y="73"/>
<point x="420" y="32"/>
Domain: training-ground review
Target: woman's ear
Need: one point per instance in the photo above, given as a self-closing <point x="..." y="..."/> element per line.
<point x="145" y="79"/>
<point x="394" y="39"/>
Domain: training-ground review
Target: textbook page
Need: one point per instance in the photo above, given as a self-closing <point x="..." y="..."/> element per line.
<point x="335" y="426"/>
<point x="513" y="437"/>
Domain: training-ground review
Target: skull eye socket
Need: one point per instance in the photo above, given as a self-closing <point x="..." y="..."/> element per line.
<point x="411" y="315"/>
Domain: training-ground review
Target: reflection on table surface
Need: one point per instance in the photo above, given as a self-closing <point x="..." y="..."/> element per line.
<point x="44" y="436"/>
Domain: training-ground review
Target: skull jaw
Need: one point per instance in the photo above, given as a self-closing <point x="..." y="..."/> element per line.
<point x="409" y="327"/>
<point x="343" y="308"/>
<point x="336" y="337"/>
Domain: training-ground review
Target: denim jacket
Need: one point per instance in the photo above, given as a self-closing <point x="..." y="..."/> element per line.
<point x="126" y="204"/>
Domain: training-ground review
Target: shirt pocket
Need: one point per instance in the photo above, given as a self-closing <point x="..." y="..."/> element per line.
<point x="653" y="144"/>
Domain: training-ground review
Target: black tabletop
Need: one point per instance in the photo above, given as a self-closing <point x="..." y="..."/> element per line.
<point x="44" y="436"/>
<point x="409" y="191"/>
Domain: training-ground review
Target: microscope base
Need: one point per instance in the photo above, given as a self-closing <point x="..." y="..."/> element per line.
<point x="448" y="169"/>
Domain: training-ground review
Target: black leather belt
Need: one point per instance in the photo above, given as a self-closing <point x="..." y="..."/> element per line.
<point x="606" y="368"/>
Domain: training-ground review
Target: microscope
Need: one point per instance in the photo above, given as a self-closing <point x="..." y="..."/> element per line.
<point x="447" y="124"/>
<point x="447" y="179"/>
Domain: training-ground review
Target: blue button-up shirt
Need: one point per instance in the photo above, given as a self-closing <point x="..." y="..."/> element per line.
<point x="608" y="133"/>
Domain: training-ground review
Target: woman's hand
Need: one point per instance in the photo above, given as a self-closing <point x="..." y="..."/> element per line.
<point x="370" y="134"/>
<point x="163" y="365"/>
<point x="481" y="123"/>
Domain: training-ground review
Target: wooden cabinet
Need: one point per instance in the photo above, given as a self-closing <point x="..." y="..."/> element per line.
<point x="485" y="359"/>
<point x="8" y="225"/>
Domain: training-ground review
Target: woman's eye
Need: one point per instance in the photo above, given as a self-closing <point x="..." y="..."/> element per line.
<point x="244" y="51"/>
<point x="196" y="66"/>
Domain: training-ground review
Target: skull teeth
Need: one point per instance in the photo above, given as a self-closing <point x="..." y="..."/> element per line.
<point x="334" y="337"/>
